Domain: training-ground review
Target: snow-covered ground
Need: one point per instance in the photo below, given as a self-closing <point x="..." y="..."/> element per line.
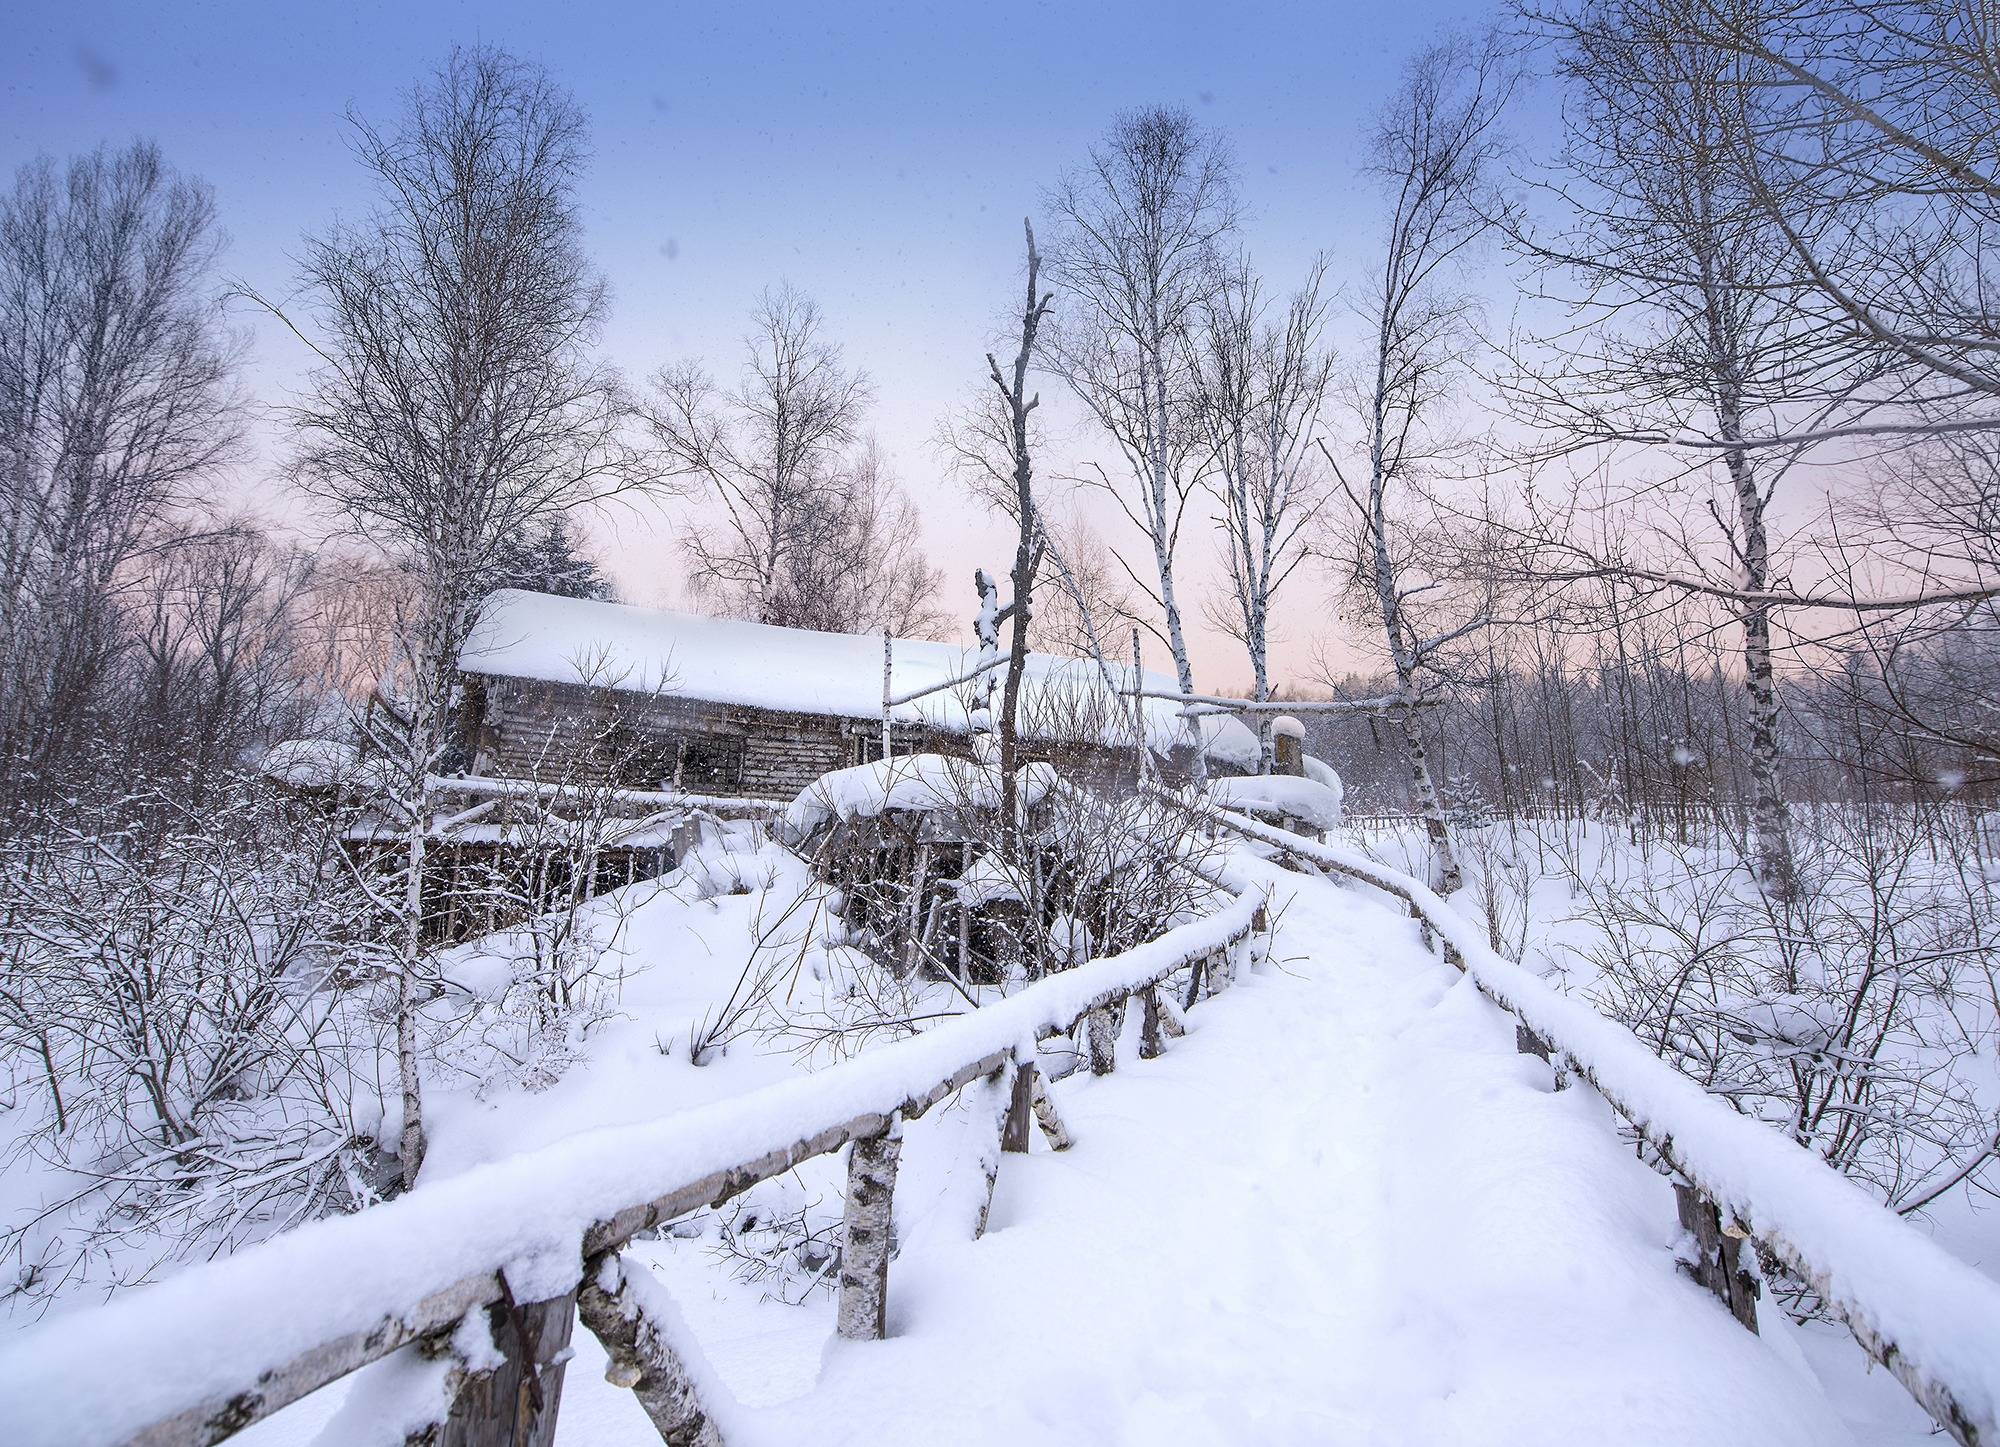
<point x="1343" y="1208"/>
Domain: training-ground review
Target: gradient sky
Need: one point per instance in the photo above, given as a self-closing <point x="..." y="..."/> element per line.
<point x="878" y="156"/>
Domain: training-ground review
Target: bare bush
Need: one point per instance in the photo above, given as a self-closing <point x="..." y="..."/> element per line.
<point x="175" y="980"/>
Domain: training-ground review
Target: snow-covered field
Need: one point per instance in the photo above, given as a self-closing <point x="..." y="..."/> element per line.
<point x="1342" y="1209"/>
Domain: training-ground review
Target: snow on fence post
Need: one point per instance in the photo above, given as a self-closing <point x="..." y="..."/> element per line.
<point x="641" y="1357"/>
<point x="1718" y="1255"/>
<point x="514" y="1404"/>
<point x="866" y="1232"/>
<point x="999" y="1095"/>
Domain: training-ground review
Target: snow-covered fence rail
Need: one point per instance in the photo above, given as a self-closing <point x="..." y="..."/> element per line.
<point x="477" y="1279"/>
<point x="1930" y="1319"/>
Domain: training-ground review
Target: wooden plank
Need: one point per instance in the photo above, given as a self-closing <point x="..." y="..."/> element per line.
<point x="515" y="1404"/>
<point x="1014" y="1134"/>
<point x="1718" y="1255"/>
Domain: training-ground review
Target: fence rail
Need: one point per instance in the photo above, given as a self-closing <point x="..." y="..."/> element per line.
<point x="1932" y="1320"/>
<point x="482" y="1275"/>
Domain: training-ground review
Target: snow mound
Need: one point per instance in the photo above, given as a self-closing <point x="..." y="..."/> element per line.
<point x="920" y="782"/>
<point x="1281" y="794"/>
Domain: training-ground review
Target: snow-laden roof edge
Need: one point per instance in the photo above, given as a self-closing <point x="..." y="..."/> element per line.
<point x="795" y="670"/>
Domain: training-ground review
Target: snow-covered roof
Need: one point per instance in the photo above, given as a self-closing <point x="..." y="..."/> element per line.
<point x="756" y="665"/>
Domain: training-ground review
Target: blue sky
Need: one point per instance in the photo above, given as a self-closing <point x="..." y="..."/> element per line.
<point x="879" y="156"/>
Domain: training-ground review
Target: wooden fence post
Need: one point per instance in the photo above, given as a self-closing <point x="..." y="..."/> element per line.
<point x="515" y="1404"/>
<point x="1014" y="1134"/>
<point x="641" y="1357"/>
<point x="1051" y="1123"/>
<point x="1150" y="1042"/>
<point x="866" y="1234"/>
<point x="1100" y="1032"/>
<point x="1718" y="1255"/>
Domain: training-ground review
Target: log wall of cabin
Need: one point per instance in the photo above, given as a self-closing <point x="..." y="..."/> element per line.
<point x="521" y="728"/>
<point x="527" y="729"/>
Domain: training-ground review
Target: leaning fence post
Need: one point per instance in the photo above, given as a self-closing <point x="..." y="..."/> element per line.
<point x="866" y="1233"/>
<point x="641" y="1357"/>
<point x="1718" y="1254"/>
<point x="1045" y="1112"/>
<point x="515" y="1404"/>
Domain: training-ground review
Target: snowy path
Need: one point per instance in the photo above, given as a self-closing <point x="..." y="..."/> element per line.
<point x="1342" y="1210"/>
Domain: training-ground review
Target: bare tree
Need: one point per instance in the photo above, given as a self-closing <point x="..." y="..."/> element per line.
<point x="1865" y="133"/>
<point x="1017" y="404"/>
<point x="1431" y="150"/>
<point x="771" y="455"/>
<point x="115" y="401"/>
<point x="1691" y="343"/>
<point x="857" y="565"/>
<point x="457" y="404"/>
<point x="1136" y="235"/>
<point x="1260" y="390"/>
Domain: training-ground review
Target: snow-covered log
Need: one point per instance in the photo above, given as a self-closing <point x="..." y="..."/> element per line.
<point x="623" y="1308"/>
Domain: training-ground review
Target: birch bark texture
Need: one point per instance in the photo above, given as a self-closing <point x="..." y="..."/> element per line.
<point x="1136" y="233"/>
<point x="1432" y="151"/>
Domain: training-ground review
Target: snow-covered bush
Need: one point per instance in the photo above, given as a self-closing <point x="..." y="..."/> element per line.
<point x="1859" y="1017"/>
<point x="177" y="1049"/>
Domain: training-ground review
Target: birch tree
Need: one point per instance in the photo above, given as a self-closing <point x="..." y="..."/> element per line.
<point x="1867" y="138"/>
<point x="1261" y="386"/>
<point x="1431" y="151"/>
<point x="457" y="405"/>
<point x="1685" y="347"/>
<point x="1137" y="231"/>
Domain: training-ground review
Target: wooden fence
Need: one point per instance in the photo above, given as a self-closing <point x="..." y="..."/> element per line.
<point x="481" y="1276"/>
<point x="1932" y="1320"/>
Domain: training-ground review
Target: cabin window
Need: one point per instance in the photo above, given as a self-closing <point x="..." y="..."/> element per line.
<point x="658" y="759"/>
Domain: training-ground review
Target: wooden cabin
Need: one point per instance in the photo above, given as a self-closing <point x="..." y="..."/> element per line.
<point x="575" y="690"/>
